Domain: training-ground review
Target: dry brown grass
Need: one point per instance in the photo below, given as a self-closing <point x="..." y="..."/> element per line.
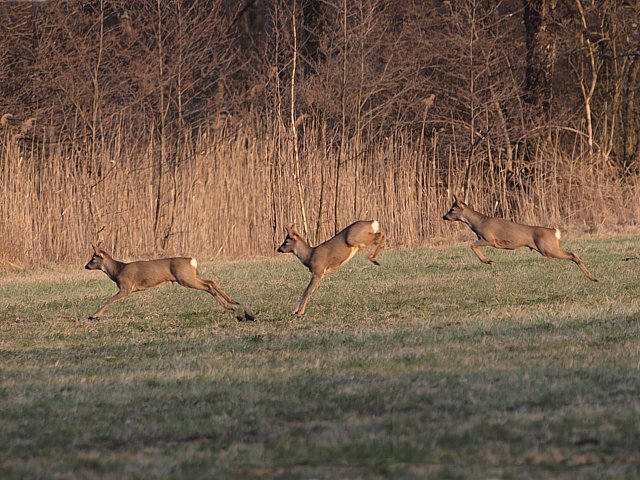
<point x="232" y="191"/>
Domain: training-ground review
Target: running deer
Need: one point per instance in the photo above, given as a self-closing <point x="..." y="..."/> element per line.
<point x="500" y="233"/>
<point x="141" y="275"/>
<point x="332" y="254"/>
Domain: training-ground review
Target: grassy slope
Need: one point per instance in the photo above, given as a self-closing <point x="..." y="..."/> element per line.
<point x="433" y="365"/>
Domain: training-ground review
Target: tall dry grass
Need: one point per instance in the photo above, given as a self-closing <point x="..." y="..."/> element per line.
<point x="231" y="191"/>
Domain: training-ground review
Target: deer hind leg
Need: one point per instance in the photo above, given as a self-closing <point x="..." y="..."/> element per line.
<point x="241" y="312"/>
<point x="565" y="255"/>
<point x="479" y="254"/>
<point x="217" y="292"/>
<point x="378" y="242"/>
<point x="313" y="284"/>
<point x="220" y="296"/>
<point x="197" y="283"/>
<point x="578" y="261"/>
<point x="118" y="296"/>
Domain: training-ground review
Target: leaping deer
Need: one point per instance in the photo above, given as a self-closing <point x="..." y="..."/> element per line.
<point x="501" y="233"/>
<point x="141" y="275"/>
<point x="332" y="254"/>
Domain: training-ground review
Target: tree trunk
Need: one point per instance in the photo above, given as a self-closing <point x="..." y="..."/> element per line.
<point x="540" y="57"/>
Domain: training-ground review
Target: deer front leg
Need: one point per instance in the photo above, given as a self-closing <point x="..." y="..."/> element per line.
<point x="479" y="254"/>
<point x="313" y="284"/>
<point x="379" y="241"/>
<point x="118" y="296"/>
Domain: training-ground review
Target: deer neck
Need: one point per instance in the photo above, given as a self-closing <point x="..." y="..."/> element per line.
<point x="112" y="267"/>
<point x="472" y="218"/>
<point x="304" y="252"/>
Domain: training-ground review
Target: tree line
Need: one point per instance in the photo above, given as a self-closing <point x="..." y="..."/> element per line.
<point x="490" y="97"/>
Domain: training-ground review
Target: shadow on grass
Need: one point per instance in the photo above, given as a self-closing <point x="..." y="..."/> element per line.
<point x="387" y="404"/>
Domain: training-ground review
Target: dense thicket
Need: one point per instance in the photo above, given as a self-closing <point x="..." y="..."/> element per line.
<point x="207" y="125"/>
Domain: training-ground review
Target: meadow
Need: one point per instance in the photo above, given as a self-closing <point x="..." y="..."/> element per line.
<point x="432" y="365"/>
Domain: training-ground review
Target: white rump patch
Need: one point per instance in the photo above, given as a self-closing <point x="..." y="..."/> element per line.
<point x="194" y="263"/>
<point x="557" y="234"/>
<point x="376" y="226"/>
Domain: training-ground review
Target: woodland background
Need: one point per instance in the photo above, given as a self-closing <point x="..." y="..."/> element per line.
<point x="205" y="127"/>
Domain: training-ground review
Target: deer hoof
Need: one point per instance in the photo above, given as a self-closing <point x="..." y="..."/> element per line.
<point x="375" y="262"/>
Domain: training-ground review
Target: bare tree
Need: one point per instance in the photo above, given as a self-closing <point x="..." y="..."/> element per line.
<point x="541" y="55"/>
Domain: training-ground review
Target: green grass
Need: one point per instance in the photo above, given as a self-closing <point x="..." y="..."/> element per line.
<point x="430" y="366"/>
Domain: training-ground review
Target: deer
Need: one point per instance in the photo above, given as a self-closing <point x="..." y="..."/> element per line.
<point x="142" y="275"/>
<point x="505" y="234"/>
<point x="332" y="254"/>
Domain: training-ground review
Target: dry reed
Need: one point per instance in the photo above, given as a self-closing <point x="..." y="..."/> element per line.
<point x="231" y="191"/>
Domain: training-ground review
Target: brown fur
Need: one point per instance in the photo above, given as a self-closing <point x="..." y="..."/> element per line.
<point x="332" y="254"/>
<point x="501" y="233"/>
<point x="141" y="275"/>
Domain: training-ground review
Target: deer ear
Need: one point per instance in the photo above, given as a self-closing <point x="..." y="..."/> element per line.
<point x="458" y="202"/>
<point x="96" y="246"/>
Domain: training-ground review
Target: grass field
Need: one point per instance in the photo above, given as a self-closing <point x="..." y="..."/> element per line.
<point x="430" y="366"/>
